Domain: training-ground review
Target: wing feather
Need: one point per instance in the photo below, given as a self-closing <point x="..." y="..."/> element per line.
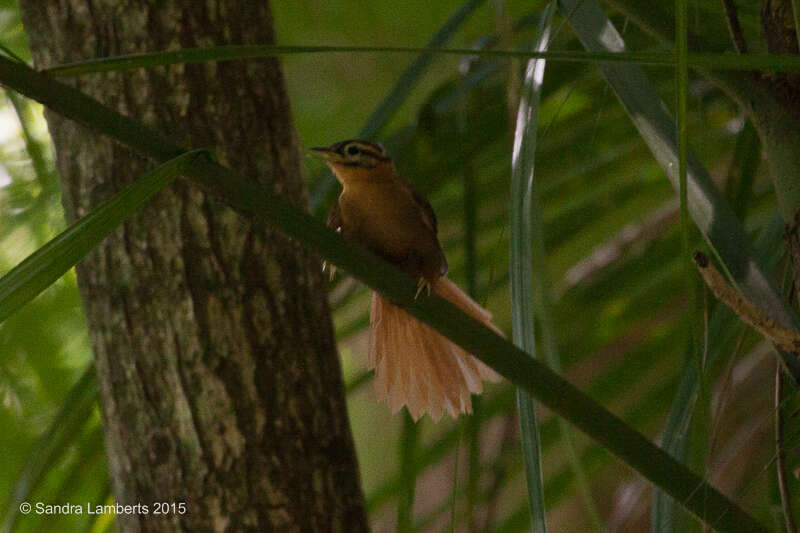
<point x="334" y="221"/>
<point x="428" y="215"/>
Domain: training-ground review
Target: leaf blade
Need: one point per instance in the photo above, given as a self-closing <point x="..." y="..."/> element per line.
<point x="520" y="262"/>
<point x="43" y="267"/>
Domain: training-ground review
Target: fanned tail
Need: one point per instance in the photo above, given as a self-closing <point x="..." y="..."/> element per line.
<point x="417" y="367"/>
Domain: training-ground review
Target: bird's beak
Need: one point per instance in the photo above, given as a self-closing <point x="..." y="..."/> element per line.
<point x="322" y="151"/>
<point x="325" y="152"/>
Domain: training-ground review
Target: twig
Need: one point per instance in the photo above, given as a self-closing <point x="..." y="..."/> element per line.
<point x="780" y="454"/>
<point x="732" y="16"/>
<point x="785" y="338"/>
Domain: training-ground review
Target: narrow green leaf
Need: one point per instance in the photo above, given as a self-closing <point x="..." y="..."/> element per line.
<point x="666" y="516"/>
<point x="40" y="269"/>
<point x="682" y="91"/>
<point x="711" y="213"/>
<point x="10" y="53"/>
<point x="262" y="206"/>
<point x="521" y="283"/>
<point x="408" y="474"/>
<point x="454" y="492"/>
<point x="34" y="147"/>
<point x="546" y="313"/>
<point x="239" y="52"/>
<point x="473" y="424"/>
<point x="716" y="61"/>
<point x="742" y="169"/>
<point x="71" y="417"/>
<point x="527" y="235"/>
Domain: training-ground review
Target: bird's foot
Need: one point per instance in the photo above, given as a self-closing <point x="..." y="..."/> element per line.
<point x="422" y="283"/>
<point x="331" y="268"/>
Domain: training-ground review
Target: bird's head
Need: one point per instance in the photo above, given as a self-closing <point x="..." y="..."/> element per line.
<point x="355" y="160"/>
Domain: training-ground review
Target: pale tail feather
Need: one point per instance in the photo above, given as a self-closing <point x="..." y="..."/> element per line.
<point x="417" y="367"/>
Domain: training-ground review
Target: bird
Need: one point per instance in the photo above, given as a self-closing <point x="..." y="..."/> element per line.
<point x="415" y="366"/>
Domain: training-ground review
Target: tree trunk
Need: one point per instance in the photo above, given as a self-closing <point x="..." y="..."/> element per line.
<point x="775" y="112"/>
<point x="220" y="380"/>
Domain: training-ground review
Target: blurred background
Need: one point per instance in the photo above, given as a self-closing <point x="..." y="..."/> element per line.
<point x="613" y="256"/>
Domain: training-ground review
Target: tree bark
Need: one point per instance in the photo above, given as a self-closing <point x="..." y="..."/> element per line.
<point x="775" y="112"/>
<point x="220" y="380"/>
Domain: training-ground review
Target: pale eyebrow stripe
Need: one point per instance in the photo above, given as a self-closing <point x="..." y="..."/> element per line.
<point x="373" y="150"/>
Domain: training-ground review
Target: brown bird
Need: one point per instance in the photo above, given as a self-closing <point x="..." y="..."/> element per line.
<point x="414" y="365"/>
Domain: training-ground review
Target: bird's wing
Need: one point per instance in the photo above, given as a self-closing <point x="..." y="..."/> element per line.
<point x="334" y="221"/>
<point x="428" y="216"/>
<point x="429" y="219"/>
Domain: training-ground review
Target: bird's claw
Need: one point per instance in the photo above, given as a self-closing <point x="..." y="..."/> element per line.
<point x="331" y="268"/>
<point x="422" y="283"/>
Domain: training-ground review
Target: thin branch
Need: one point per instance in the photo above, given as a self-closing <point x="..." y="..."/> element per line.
<point x="732" y="17"/>
<point x="785" y="338"/>
<point x="780" y="454"/>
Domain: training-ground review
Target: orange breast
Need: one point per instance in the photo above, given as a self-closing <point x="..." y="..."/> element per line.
<point x="384" y="217"/>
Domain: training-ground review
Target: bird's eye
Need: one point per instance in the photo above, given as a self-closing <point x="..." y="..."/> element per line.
<point x="352" y="150"/>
